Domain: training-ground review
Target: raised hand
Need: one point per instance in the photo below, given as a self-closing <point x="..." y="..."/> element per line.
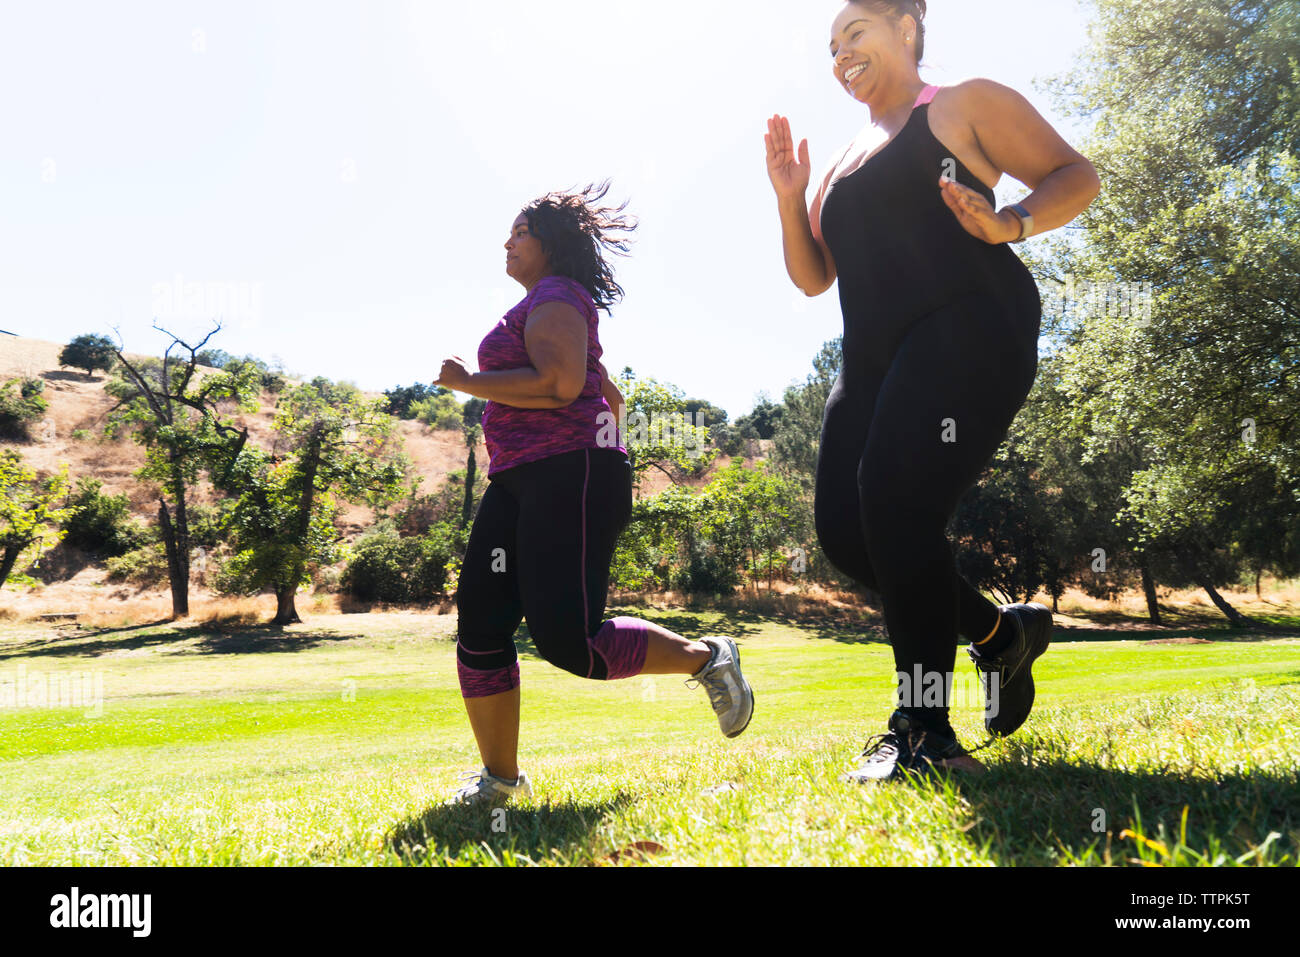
<point x="789" y="173"/>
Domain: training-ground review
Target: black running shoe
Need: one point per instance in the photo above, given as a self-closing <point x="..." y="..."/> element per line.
<point x="1008" y="702"/>
<point x="910" y="748"/>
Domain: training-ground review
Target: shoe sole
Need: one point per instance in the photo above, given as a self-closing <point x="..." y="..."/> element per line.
<point x="1034" y="654"/>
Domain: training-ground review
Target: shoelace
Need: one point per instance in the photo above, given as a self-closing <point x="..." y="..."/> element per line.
<point x="879" y="742"/>
<point x="469" y="786"/>
<point x="716" y="690"/>
<point x="475" y="784"/>
<point x="984" y="663"/>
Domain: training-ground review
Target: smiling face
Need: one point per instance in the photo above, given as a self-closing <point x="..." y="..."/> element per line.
<point x="525" y="261"/>
<point x="871" y="51"/>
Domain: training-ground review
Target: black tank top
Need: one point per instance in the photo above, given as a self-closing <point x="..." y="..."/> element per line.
<point x="900" y="253"/>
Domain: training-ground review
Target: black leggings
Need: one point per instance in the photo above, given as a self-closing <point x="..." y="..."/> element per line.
<point x="889" y="478"/>
<point x="541" y="548"/>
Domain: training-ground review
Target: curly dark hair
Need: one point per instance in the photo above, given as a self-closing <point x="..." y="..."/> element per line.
<point x="896" y="10"/>
<point x="573" y="231"/>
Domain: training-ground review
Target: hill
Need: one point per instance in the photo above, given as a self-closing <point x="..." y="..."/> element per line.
<point x="78" y="402"/>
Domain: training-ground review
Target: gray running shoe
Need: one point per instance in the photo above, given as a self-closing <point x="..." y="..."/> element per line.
<point x="729" y="692"/>
<point x="484" y="788"/>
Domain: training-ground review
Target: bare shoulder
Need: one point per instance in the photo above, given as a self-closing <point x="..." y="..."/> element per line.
<point x="978" y="97"/>
<point x="1002" y="130"/>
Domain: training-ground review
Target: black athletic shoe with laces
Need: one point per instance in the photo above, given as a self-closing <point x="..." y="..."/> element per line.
<point x="910" y="748"/>
<point x="1008" y="702"/>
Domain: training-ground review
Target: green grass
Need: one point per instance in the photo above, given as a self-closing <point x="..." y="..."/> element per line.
<point x="335" y="741"/>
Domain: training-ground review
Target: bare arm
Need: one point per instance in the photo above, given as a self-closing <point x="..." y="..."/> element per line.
<point x="807" y="260"/>
<point x="613" y="397"/>
<point x="1017" y="140"/>
<point x="556" y="340"/>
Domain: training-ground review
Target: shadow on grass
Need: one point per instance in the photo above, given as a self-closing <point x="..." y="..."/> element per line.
<point x="741" y="624"/>
<point x="1217" y="633"/>
<point x="1186" y="617"/>
<point x="1044" y="812"/>
<point x="563" y="832"/>
<point x="211" y="640"/>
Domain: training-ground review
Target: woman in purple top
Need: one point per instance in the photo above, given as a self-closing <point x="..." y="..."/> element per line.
<point x="559" y="494"/>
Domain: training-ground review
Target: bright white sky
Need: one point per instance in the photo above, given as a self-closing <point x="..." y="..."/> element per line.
<point x="363" y="162"/>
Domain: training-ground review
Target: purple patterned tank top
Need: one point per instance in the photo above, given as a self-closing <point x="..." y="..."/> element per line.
<point x="516" y="436"/>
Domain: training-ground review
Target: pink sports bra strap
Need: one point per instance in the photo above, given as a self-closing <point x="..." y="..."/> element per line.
<point x="926" y="96"/>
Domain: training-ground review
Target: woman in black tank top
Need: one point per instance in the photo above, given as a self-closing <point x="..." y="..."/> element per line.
<point x="941" y="322"/>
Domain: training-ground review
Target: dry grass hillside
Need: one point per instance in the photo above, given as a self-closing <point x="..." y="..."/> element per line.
<point x="77" y="402"/>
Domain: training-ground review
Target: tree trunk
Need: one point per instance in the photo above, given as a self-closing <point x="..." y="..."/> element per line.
<point x="8" y="558"/>
<point x="1237" y="618"/>
<point x="285" y="611"/>
<point x="1056" y="607"/>
<point x="1149" y="589"/>
<point x="182" y="536"/>
<point x="1259" y="572"/>
<point x="179" y="580"/>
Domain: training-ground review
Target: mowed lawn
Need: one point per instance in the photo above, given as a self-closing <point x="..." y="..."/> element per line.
<point x="335" y="742"/>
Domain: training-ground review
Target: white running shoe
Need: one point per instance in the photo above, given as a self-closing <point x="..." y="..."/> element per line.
<point x="480" y="787"/>
<point x="729" y="692"/>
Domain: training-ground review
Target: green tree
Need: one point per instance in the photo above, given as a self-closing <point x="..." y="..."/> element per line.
<point x="665" y="545"/>
<point x="1196" y="140"/>
<point x="750" y="513"/>
<point x="657" y="431"/>
<point x="88" y="352"/>
<point x="713" y="417"/>
<point x="30" y="512"/>
<point x="339" y="446"/>
<point x="798" y="434"/>
<point x="270" y="378"/>
<point x="178" y="415"/>
<point x="216" y="358"/>
<point x="438" y="412"/>
<point x="765" y="418"/>
<point x="402" y="398"/>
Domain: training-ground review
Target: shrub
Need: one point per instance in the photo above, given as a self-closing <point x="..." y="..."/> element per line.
<point x="272" y="379"/>
<point x="387" y="568"/>
<point x="102" y="524"/>
<point x="418" y="513"/>
<point x="145" y="566"/>
<point x="207" y="526"/>
<point x="438" y="412"/>
<point x="401" y="398"/>
<point x="705" y="571"/>
<point x="20" y="405"/>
